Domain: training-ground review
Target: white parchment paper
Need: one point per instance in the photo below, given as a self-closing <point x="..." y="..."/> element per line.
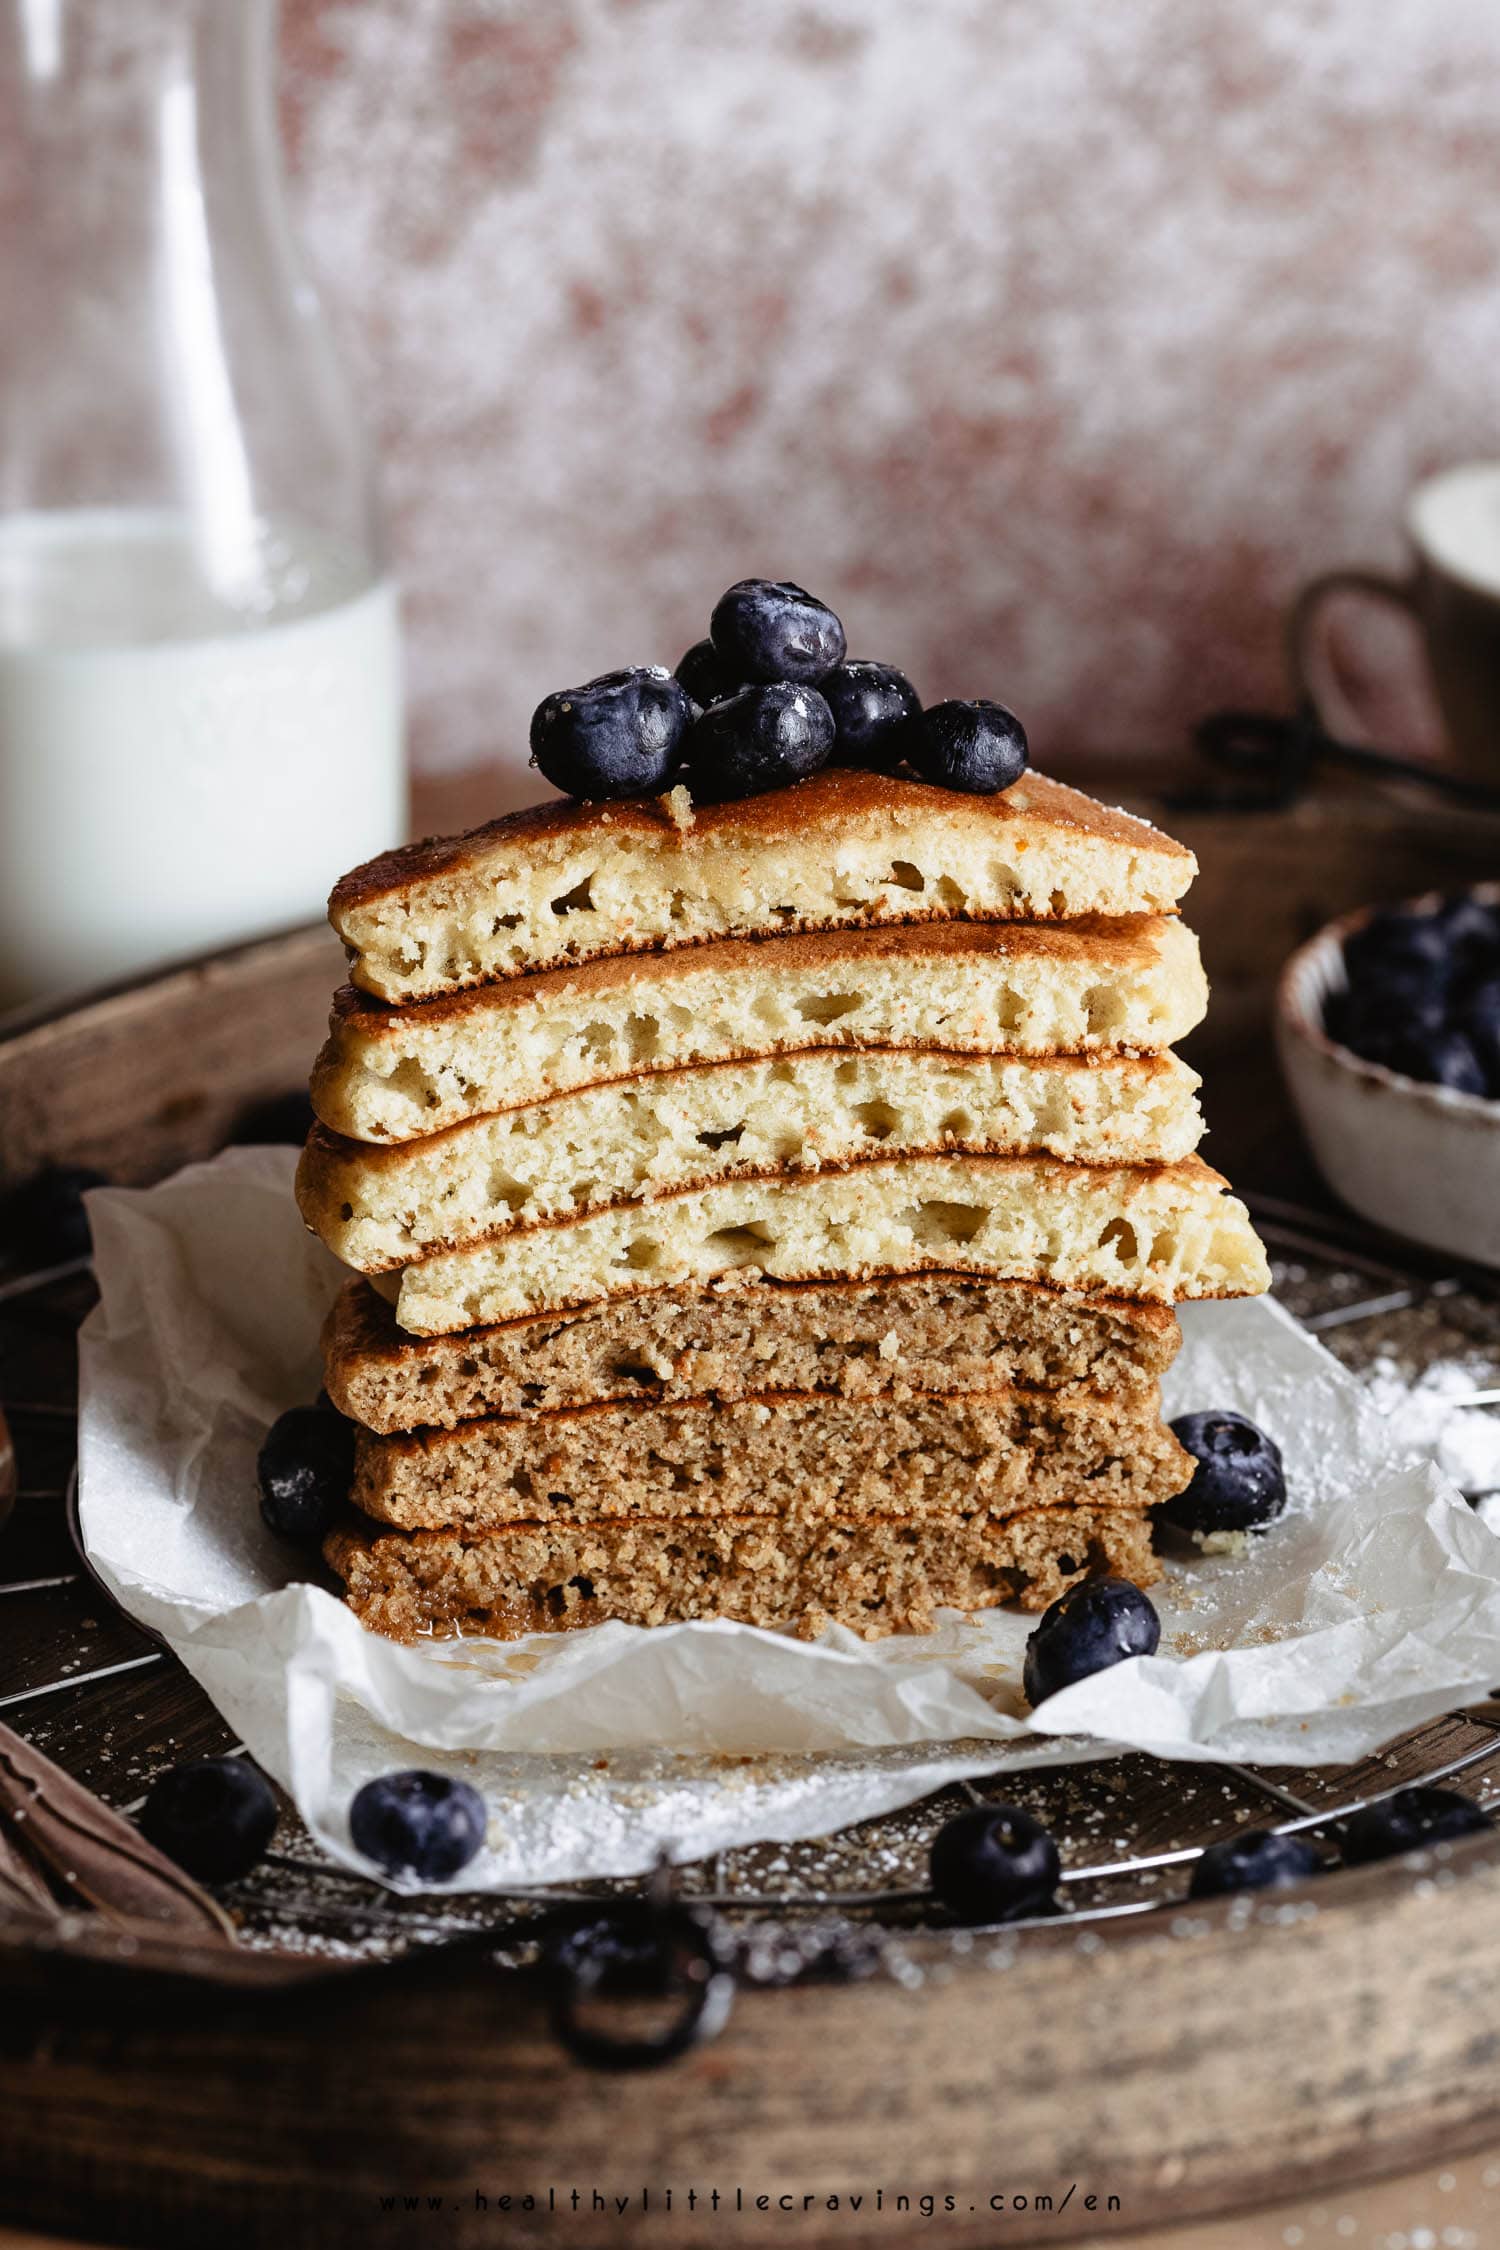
<point x="1374" y="1604"/>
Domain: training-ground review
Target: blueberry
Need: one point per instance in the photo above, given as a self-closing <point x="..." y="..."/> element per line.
<point x="1373" y="1019"/>
<point x="1471" y="934"/>
<point x="762" y="738"/>
<point x="1481" y="1024"/>
<point x="1255" y="1860"/>
<point x="618" y="736"/>
<point x="1409" y="1822"/>
<point x="43" y="1223"/>
<point x="994" y="1863"/>
<point x="1397" y="939"/>
<point x="1439" y="1058"/>
<point x="766" y="629"/>
<point x="977" y="747"/>
<point x="705" y="676"/>
<point x="1097" y="1623"/>
<point x="420" y="1824"/>
<point x="1238" y="1485"/>
<point x="874" y="710"/>
<point x="305" y="1468"/>
<point x="214" y="1817"/>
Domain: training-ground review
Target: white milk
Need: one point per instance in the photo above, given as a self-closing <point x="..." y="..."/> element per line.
<point x="177" y="772"/>
<point x="1456" y="519"/>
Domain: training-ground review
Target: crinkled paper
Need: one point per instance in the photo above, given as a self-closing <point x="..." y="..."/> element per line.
<point x="1373" y="1605"/>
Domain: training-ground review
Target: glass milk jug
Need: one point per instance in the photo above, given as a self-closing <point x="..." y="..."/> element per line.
<point x="200" y="692"/>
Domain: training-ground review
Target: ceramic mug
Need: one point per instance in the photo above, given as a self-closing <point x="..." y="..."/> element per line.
<point x="1452" y="591"/>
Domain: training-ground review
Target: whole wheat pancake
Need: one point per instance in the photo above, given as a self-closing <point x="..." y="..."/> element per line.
<point x="875" y="1576"/>
<point x="1163" y="1232"/>
<point x="780" y="1454"/>
<point x="567" y="882"/>
<point x="1092" y="987"/>
<point x="913" y="1332"/>
<point x="382" y="1207"/>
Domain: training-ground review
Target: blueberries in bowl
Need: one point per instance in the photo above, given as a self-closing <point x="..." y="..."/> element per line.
<point x="977" y="747"/>
<point x="1239" y="1484"/>
<point x="424" y="1826"/>
<point x="1097" y="1623"/>
<point x="762" y="738"/>
<point x="994" y="1863"/>
<point x="1423" y="993"/>
<point x="213" y="1816"/>
<point x="1397" y="944"/>
<point x="875" y="709"/>
<point x="768" y="629"/>
<point x="1409" y="1822"/>
<point x="618" y="736"/>
<point x="1255" y="1860"/>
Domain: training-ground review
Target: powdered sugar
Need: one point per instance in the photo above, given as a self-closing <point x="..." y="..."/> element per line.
<point x="1429" y="1417"/>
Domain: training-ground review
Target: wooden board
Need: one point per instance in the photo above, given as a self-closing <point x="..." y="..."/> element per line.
<point x="140" y="1080"/>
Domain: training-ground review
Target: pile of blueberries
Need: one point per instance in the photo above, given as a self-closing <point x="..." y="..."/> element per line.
<point x="1423" y="993"/>
<point x="766" y="700"/>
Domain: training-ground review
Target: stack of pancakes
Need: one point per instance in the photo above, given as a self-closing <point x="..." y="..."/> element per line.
<point x="769" y="1210"/>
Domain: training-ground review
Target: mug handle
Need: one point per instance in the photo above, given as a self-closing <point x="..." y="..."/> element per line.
<point x="1313" y="679"/>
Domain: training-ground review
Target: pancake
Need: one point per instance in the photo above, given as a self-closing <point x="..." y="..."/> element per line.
<point x="919" y="1332"/>
<point x="382" y="1207"/>
<point x="1097" y="986"/>
<point x="877" y="1576"/>
<point x="568" y="882"/>
<point x="779" y="1453"/>
<point x="1162" y="1232"/>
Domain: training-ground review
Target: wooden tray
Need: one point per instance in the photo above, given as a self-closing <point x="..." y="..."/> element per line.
<point x="1181" y="2061"/>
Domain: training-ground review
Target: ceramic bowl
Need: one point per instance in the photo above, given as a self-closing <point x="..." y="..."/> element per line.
<point x="1422" y="1160"/>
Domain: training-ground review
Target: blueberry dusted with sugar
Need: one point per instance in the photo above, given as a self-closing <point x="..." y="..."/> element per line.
<point x="425" y="1826"/>
<point x="766" y="629"/>
<point x="977" y="747"/>
<point x="1256" y="1860"/>
<point x="618" y="736"/>
<point x="43" y="1222"/>
<point x="994" y="1863"/>
<point x="214" y="1817"/>
<point x="1097" y="1623"/>
<point x="762" y="738"/>
<point x="705" y="675"/>
<point x="1410" y="1821"/>
<point x="875" y="709"/>
<point x="1239" y="1483"/>
<point x="305" y="1469"/>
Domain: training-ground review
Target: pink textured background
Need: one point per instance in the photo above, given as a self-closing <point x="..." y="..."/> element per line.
<point x="1053" y="342"/>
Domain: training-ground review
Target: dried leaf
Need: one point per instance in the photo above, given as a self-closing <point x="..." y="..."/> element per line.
<point x="63" y="1847"/>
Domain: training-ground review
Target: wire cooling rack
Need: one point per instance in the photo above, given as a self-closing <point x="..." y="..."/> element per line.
<point x="93" y="1692"/>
